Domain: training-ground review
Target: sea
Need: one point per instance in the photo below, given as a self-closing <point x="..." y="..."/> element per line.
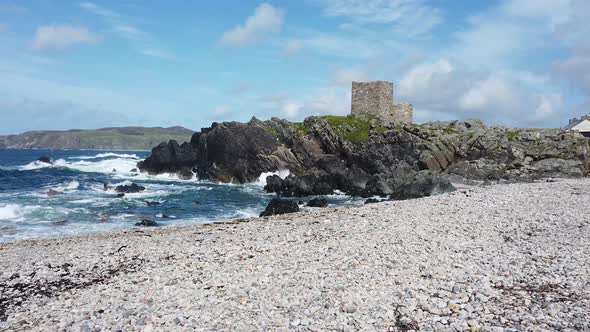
<point x="28" y="210"/>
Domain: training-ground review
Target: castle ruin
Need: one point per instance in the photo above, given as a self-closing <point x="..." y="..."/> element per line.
<point x="376" y="98"/>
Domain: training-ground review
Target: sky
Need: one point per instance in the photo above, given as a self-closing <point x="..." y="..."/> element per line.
<point x="77" y="64"/>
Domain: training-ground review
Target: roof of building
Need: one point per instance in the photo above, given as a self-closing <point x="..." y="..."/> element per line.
<point x="582" y="124"/>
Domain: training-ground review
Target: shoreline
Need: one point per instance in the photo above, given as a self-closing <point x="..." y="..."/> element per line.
<point x="62" y="149"/>
<point x="500" y="256"/>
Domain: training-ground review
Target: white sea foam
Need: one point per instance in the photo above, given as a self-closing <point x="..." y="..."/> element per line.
<point x="107" y="155"/>
<point x="10" y="211"/>
<point x="71" y="185"/>
<point x="282" y="173"/>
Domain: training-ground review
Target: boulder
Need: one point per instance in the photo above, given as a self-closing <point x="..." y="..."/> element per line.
<point x="425" y="183"/>
<point x="318" y="202"/>
<point x="147" y="223"/>
<point x="152" y="203"/>
<point x="130" y="189"/>
<point x="279" y="206"/>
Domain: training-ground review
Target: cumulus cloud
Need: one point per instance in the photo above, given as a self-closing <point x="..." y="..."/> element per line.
<point x="443" y="89"/>
<point x="266" y="21"/>
<point x="61" y="37"/>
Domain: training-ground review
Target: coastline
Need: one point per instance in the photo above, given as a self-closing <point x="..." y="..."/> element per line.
<point x="62" y="149"/>
<point x="504" y="256"/>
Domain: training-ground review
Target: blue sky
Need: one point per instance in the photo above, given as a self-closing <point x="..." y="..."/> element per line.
<point x="79" y="64"/>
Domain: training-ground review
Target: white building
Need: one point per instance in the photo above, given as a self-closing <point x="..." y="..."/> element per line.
<point x="581" y="125"/>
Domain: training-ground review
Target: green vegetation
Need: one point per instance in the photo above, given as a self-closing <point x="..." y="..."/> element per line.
<point x="512" y="134"/>
<point x="353" y="129"/>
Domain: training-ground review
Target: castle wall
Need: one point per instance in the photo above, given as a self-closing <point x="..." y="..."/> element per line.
<point x="376" y="98"/>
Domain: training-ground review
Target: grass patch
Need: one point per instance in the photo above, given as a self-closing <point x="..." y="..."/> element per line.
<point x="511" y="134"/>
<point x="352" y="129"/>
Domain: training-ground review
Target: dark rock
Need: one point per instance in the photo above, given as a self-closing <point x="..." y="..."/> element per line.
<point x="147" y="223"/>
<point x="197" y="203"/>
<point x="185" y="174"/>
<point x="52" y="192"/>
<point x="361" y="157"/>
<point x="134" y="170"/>
<point x="152" y="203"/>
<point x="105" y="186"/>
<point x="60" y="223"/>
<point x="114" y="170"/>
<point x="121" y="195"/>
<point x="318" y="202"/>
<point x="425" y="183"/>
<point x="129" y="189"/>
<point x="279" y="206"/>
<point x="372" y="200"/>
<point x="46" y="159"/>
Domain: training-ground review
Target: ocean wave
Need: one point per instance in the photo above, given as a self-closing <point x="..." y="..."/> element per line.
<point x="10" y="211"/>
<point x="107" y="155"/>
<point x="282" y="173"/>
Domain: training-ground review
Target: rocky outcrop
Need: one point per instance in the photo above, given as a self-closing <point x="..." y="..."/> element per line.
<point x="362" y="157"/>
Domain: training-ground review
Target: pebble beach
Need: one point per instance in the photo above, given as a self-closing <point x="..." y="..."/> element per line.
<point x="493" y="258"/>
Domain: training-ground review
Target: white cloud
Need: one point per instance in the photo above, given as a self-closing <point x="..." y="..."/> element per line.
<point x="412" y="17"/>
<point x="422" y="76"/>
<point x="345" y="76"/>
<point x="60" y="37"/>
<point x="115" y="20"/>
<point x="555" y="11"/>
<point x="221" y="112"/>
<point x="492" y="92"/>
<point x="266" y="20"/>
<point x="292" y="110"/>
<point x="293" y="47"/>
<point x="156" y="53"/>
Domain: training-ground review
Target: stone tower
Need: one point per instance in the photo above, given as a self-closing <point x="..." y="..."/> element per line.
<point x="376" y="98"/>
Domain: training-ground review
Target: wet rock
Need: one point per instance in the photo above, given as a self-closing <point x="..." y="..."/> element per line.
<point x="114" y="170"/>
<point x="185" y="174"/>
<point x="134" y="170"/>
<point x="120" y="195"/>
<point x="318" y="202"/>
<point x="147" y="223"/>
<point x="152" y="203"/>
<point x="372" y="200"/>
<point x="130" y="189"/>
<point x="53" y="192"/>
<point x="279" y="206"/>
<point x="46" y="160"/>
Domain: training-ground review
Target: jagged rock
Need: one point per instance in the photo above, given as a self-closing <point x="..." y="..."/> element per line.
<point x="46" y="160"/>
<point x="152" y="203"/>
<point x="362" y="157"/>
<point x="130" y="189"/>
<point x="121" y="195"/>
<point x="318" y="202"/>
<point x="279" y="206"/>
<point x="147" y="223"/>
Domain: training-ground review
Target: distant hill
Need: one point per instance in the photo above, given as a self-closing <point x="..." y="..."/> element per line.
<point x="121" y="138"/>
